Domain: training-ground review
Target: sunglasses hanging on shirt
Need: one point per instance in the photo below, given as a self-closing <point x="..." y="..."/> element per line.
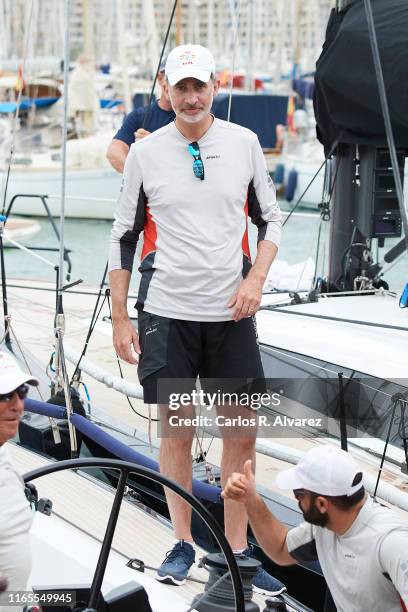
<point x="198" y="166"/>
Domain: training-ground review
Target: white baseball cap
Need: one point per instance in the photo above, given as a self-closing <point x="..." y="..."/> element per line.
<point x="326" y="470"/>
<point x="11" y="376"/>
<point x="193" y="61"/>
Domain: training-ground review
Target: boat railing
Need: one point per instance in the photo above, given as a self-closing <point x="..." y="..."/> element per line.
<point x="16" y="245"/>
<point x="81" y="198"/>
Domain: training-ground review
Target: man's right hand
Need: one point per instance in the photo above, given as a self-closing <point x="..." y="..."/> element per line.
<point x="241" y="487"/>
<point x="125" y="337"/>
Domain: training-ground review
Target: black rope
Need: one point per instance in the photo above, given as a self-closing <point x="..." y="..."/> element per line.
<point x="76" y="374"/>
<point x="121" y="375"/>
<point x="398" y="399"/>
<point x="403" y="429"/>
<point x="3" y="210"/>
<point x="324" y="210"/>
<point x="149" y="106"/>
<point x="92" y="324"/>
<point x="333" y="148"/>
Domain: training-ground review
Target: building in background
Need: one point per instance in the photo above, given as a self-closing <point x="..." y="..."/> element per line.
<point x="273" y="35"/>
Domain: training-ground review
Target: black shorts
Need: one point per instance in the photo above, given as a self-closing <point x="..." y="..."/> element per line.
<point x="223" y="354"/>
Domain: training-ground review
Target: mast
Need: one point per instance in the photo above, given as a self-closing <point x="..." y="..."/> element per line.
<point x="178" y="23"/>
<point x="61" y="376"/>
<point x="88" y="29"/>
<point x="210" y="25"/>
<point x="249" y="80"/>
<point x="282" y="20"/>
<point x="296" y="41"/>
<point x="120" y="9"/>
<point x="152" y="37"/>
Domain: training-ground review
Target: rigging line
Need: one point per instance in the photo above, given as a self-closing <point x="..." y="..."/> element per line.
<point x="308" y="256"/>
<point x="16" y="114"/>
<point x="340" y="319"/>
<point x="234" y="50"/>
<point x="90" y="330"/>
<point x="328" y="209"/>
<point x="121" y="375"/>
<point x="93" y="322"/>
<point x="386" y="115"/>
<point x="395" y="403"/>
<point x="29" y="251"/>
<point x="149" y="106"/>
<point x="317" y="254"/>
<point x="333" y="148"/>
<point x="64" y="145"/>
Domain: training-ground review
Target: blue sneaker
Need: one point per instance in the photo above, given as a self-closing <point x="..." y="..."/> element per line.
<point x="262" y="582"/>
<point x="175" y="567"/>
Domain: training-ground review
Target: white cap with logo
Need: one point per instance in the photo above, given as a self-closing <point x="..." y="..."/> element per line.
<point x="11" y="376"/>
<point x="194" y="61"/>
<point x="325" y="470"/>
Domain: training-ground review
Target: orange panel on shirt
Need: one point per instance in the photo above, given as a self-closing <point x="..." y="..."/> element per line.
<point x="245" y="242"/>
<point x="149" y="236"/>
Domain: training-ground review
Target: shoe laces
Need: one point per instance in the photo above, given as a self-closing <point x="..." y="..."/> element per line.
<point x="176" y="551"/>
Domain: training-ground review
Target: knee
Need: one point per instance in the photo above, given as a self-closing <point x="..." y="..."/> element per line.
<point x="240" y="446"/>
<point x="176" y="446"/>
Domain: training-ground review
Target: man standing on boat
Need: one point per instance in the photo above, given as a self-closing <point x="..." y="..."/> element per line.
<point x="190" y="188"/>
<point x="15" y="511"/>
<point x="134" y="127"/>
<point x="361" y="545"/>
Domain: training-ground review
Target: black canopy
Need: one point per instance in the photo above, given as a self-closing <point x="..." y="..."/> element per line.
<point x="346" y="95"/>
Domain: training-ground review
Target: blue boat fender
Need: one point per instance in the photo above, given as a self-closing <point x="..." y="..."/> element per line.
<point x="291" y="185"/>
<point x="404" y="298"/>
<point x="279" y="174"/>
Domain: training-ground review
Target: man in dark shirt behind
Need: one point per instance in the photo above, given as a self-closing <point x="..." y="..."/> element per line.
<point x="135" y="127"/>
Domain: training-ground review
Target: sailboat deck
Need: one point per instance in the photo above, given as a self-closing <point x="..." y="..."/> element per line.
<point x="86" y="504"/>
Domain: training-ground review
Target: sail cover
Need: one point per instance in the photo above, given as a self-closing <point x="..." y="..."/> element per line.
<point x="346" y="98"/>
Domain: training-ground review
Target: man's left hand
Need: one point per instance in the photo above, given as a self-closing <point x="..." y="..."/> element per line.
<point x="247" y="298"/>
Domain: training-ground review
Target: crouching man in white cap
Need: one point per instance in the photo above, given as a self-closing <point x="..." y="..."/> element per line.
<point x="15" y="512"/>
<point x="361" y="545"/>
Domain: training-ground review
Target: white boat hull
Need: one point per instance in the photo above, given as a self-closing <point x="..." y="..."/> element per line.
<point x="90" y="194"/>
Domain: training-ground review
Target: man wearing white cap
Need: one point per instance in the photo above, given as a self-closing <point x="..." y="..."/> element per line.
<point x="15" y="512"/>
<point x="190" y="187"/>
<point x="361" y="545"/>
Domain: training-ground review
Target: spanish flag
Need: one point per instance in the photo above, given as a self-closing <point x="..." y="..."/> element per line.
<point x="20" y="83"/>
<point x="290" y="116"/>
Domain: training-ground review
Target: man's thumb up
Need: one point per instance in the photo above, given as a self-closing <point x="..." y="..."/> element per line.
<point x="248" y="469"/>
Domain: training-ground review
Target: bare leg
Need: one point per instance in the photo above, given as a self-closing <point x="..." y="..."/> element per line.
<point x="238" y="446"/>
<point x="235" y="452"/>
<point x="176" y="463"/>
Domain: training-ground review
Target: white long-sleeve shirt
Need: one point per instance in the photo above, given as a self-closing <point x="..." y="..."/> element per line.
<point x="195" y="251"/>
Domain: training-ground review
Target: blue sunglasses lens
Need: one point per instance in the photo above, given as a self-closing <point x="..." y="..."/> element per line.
<point x="198" y="166"/>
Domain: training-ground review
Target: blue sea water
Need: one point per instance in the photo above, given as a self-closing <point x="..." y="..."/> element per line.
<point x="89" y="239"/>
